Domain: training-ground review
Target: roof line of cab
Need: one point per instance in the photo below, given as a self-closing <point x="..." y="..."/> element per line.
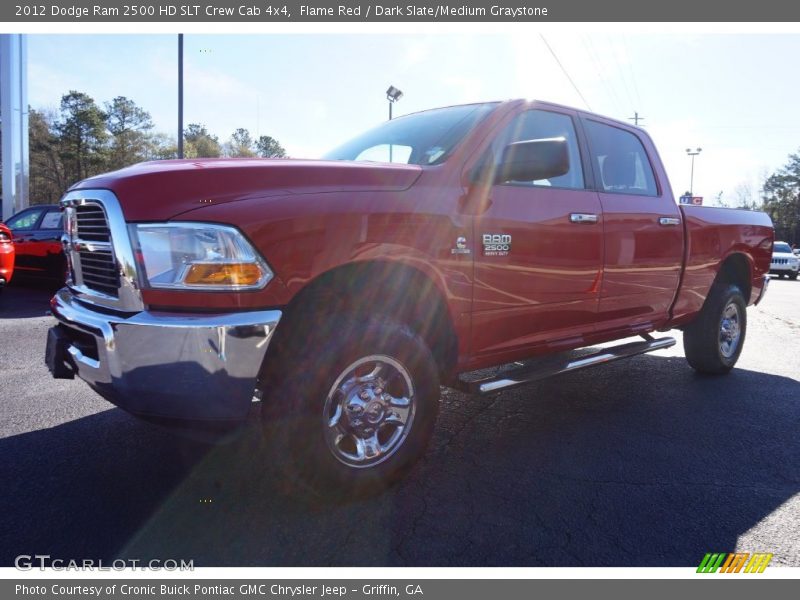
<point x="512" y="102"/>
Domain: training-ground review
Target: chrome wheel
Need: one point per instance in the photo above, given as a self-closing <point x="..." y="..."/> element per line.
<point x="730" y="331"/>
<point x="369" y="411"/>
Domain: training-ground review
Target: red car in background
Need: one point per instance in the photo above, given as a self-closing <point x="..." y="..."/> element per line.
<point x="6" y="256"/>
<point x="37" y="231"/>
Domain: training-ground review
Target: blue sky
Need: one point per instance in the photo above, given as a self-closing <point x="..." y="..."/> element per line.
<point x="734" y="95"/>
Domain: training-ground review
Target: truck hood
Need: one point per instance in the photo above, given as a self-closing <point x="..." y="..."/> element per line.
<point x="161" y="190"/>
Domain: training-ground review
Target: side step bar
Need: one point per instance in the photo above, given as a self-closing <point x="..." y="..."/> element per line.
<point x="528" y="374"/>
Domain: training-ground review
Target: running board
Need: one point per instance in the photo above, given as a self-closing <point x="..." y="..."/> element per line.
<point x="521" y="376"/>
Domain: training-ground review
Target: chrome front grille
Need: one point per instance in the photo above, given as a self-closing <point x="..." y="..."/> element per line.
<point x="99" y="271"/>
<point x="91" y="224"/>
<point x="94" y="266"/>
<point x="102" y="267"/>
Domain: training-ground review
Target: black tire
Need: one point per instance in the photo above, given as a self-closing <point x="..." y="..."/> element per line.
<point x="299" y="438"/>
<point x="793" y="276"/>
<point x="706" y="341"/>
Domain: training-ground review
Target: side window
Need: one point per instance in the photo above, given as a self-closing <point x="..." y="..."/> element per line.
<point x="620" y="160"/>
<point x="542" y="124"/>
<point x="24" y="220"/>
<point x="52" y="220"/>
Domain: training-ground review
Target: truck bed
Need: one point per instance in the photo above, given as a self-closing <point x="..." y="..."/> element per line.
<point x="713" y="236"/>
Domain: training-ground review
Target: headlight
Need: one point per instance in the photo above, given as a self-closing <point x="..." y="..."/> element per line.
<point x="197" y="256"/>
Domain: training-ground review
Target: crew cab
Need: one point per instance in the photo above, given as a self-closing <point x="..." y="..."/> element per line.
<point x="340" y="293"/>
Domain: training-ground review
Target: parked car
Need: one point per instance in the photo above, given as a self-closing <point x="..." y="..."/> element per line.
<point x="342" y="292"/>
<point x="37" y="232"/>
<point x="6" y="256"/>
<point x="784" y="261"/>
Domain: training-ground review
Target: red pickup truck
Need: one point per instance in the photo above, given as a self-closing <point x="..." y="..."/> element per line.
<point x="341" y="293"/>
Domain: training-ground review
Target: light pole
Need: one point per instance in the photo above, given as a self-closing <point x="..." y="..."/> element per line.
<point x="180" y="95"/>
<point x="692" y="153"/>
<point x="393" y="95"/>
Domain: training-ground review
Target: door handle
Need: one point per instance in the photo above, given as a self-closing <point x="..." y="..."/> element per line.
<point x="668" y="221"/>
<point x="582" y="218"/>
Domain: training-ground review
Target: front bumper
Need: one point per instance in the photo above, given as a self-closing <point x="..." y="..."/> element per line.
<point x="784" y="268"/>
<point x="189" y="367"/>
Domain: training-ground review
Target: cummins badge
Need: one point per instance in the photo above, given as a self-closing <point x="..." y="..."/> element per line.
<point x="461" y="246"/>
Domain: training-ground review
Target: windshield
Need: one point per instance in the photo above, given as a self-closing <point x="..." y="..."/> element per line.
<point x="782" y="248"/>
<point x="425" y="138"/>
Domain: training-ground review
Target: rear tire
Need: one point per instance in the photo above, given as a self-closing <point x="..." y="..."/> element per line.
<point x="714" y="340"/>
<point x="351" y="409"/>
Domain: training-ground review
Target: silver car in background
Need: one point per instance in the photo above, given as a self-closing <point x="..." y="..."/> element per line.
<point x="784" y="261"/>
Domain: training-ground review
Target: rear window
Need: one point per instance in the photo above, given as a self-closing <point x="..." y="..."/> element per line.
<point x="621" y="161"/>
<point x="52" y="220"/>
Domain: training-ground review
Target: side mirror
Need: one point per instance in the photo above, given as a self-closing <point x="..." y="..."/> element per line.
<point x="531" y="160"/>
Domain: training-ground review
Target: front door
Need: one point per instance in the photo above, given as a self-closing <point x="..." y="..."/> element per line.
<point x="538" y="251"/>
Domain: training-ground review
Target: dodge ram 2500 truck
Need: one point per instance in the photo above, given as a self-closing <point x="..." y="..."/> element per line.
<point x="340" y="293"/>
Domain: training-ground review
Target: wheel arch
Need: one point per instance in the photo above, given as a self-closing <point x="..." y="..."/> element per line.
<point x="373" y="288"/>
<point x="737" y="269"/>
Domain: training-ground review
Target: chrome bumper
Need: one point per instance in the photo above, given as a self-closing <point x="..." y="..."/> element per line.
<point x="167" y="365"/>
<point x="784" y="268"/>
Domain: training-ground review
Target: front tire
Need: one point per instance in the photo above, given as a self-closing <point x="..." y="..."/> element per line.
<point x="714" y="340"/>
<point x="793" y="276"/>
<point x="353" y="408"/>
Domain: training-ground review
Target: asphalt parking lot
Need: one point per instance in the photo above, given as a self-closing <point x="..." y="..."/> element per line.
<point x="638" y="463"/>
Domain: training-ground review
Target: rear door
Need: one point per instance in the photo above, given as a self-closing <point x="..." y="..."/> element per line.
<point x="46" y="249"/>
<point x="642" y="226"/>
<point x="538" y="249"/>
